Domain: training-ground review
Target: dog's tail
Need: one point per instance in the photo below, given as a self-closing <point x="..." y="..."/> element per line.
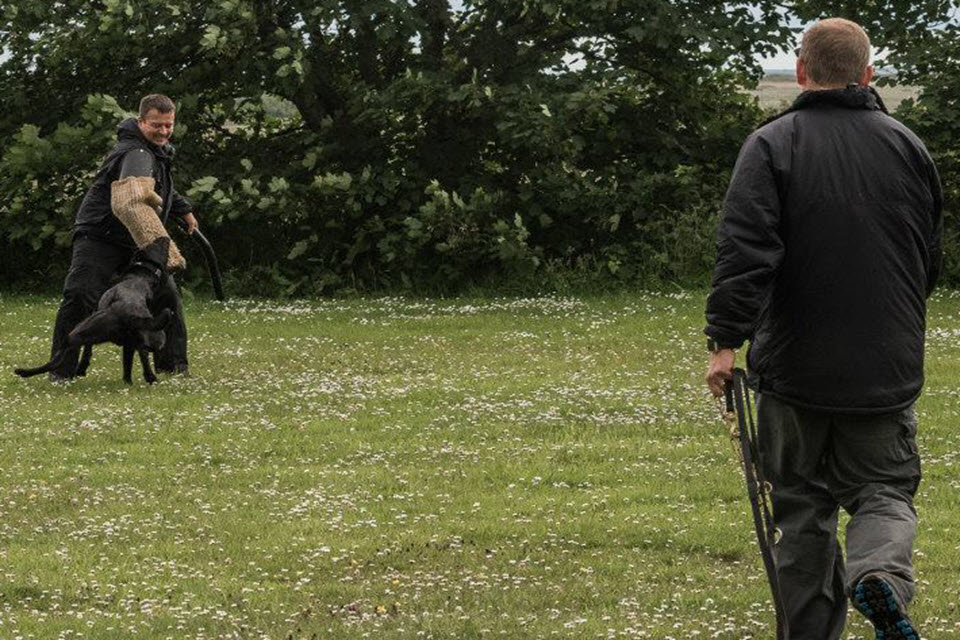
<point x="50" y="366"/>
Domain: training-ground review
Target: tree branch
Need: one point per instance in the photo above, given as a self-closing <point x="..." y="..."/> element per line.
<point x="436" y="17"/>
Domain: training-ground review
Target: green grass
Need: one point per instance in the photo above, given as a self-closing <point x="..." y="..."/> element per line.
<point x="518" y="468"/>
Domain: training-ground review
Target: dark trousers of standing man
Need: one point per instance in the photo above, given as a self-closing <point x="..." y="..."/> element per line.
<point x="92" y="268"/>
<point x="817" y="462"/>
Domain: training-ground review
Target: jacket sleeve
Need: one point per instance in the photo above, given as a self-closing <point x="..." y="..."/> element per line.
<point x="934" y="246"/>
<point x="180" y="205"/>
<point x="137" y="163"/>
<point x="749" y="247"/>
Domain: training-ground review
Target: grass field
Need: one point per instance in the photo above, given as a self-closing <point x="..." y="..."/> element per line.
<point x="778" y="91"/>
<point x="510" y="468"/>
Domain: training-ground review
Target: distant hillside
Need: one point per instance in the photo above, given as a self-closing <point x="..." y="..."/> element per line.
<point x="779" y="88"/>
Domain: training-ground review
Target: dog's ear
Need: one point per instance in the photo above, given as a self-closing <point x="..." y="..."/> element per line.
<point x="141" y="320"/>
<point x="102" y="326"/>
<point x="153" y="340"/>
<point x="151" y="332"/>
<point x="160" y="320"/>
<point x="157" y="252"/>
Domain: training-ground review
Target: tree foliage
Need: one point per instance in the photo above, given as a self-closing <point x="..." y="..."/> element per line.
<point x="337" y="144"/>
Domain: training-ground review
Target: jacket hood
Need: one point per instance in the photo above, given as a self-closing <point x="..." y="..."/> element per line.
<point x="129" y="130"/>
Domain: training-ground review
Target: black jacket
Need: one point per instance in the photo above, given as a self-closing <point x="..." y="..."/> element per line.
<point x="95" y="217"/>
<point x="828" y="248"/>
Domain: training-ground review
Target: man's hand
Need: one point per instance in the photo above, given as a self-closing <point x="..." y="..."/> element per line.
<point x="191" y="221"/>
<point x="720" y="370"/>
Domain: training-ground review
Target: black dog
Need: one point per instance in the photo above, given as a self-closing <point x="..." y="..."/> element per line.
<point x="124" y="317"/>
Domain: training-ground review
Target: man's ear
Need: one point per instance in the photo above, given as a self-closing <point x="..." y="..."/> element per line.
<point x="867" y="76"/>
<point x="801" y="73"/>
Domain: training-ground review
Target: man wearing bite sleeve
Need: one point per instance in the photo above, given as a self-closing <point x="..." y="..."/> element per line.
<point x="125" y="208"/>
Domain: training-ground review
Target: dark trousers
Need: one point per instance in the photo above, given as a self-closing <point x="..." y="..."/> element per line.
<point x="92" y="268"/>
<point x="817" y="463"/>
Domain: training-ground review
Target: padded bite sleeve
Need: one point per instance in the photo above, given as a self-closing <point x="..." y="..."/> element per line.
<point x="135" y="204"/>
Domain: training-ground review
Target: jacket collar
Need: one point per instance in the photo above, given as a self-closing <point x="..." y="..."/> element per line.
<point x="852" y="97"/>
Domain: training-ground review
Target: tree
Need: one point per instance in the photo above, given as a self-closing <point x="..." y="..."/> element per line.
<point x="426" y="142"/>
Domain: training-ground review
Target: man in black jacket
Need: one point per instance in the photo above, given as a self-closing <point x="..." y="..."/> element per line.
<point x="103" y="246"/>
<point x="828" y="248"/>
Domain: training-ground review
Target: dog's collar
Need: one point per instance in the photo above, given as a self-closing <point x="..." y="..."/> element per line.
<point x="154" y="270"/>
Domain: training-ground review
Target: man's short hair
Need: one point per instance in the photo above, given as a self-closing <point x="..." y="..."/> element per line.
<point x="157" y="101"/>
<point x="835" y="52"/>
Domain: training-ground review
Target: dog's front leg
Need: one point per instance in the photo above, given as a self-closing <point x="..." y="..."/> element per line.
<point x="148" y="373"/>
<point x="128" y="364"/>
<point x="84" y="360"/>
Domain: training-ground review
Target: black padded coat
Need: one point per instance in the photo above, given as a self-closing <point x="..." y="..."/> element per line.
<point x="827" y="250"/>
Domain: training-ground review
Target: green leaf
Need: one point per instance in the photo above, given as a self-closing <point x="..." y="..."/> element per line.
<point x="298" y="250"/>
<point x="205" y="184"/>
<point x="211" y="37"/>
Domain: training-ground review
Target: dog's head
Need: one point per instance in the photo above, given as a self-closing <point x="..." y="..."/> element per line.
<point x="156" y="253"/>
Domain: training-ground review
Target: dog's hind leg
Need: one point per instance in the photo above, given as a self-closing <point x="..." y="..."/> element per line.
<point x="148" y="373"/>
<point x="128" y="364"/>
<point x="84" y="360"/>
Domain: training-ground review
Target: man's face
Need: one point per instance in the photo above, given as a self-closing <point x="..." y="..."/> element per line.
<point x="157" y="127"/>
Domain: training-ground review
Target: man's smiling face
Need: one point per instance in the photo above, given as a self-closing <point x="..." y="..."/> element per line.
<point x="157" y="127"/>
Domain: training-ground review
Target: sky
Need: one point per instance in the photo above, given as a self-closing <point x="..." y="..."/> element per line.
<point x="783" y="61"/>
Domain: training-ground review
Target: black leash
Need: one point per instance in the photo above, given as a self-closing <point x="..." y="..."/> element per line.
<point x="739" y="404"/>
<point x="213" y="267"/>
